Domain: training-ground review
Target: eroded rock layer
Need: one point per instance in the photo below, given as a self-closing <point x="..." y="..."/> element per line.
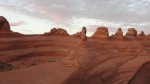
<point x="142" y="76"/>
<point x="110" y="63"/>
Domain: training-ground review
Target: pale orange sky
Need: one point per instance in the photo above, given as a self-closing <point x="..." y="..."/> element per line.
<point x="35" y="16"/>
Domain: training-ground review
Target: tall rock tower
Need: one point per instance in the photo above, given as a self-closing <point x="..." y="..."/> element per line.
<point x="83" y="38"/>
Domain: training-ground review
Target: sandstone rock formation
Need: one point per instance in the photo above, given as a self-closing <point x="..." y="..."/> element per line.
<point x="59" y="31"/>
<point x="101" y="33"/>
<point x="131" y="33"/>
<point x="142" y="34"/>
<point x="104" y="62"/>
<point x="71" y="60"/>
<point x="4" y="24"/>
<point x="119" y="34"/>
<point x="81" y="34"/>
<point x="5" y="29"/>
<point x="83" y="38"/>
<point x="107" y="67"/>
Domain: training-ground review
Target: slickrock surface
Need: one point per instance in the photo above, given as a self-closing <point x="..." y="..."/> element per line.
<point x="110" y="63"/>
<point x="142" y="76"/>
<point x="42" y="59"/>
<point x="103" y="62"/>
<point x="36" y="59"/>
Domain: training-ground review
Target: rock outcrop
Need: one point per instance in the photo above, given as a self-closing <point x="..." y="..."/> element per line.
<point x="101" y="33"/>
<point x="132" y="33"/>
<point x="83" y="38"/>
<point x="59" y="31"/>
<point x="5" y="29"/>
<point x="142" y="34"/>
<point x="119" y="34"/>
<point x="4" y="24"/>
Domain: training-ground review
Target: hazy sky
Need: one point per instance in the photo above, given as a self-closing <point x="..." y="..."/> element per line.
<point x="39" y="16"/>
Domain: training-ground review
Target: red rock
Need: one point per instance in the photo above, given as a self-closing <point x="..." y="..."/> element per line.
<point x="119" y="34"/>
<point x="83" y="44"/>
<point x="101" y="33"/>
<point x="4" y="24"/>
<point x="104" y="62"/>
<point x="59" y="31"/>
<point x="132" y="33"/>
<point x="83" y="38"/>
<point x="142" y="34"/>
<point x="5" y="31"/>
<point x="142" y="75"/>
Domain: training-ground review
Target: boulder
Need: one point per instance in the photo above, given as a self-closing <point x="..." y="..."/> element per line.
<point x="101" y="33"/>
<point x="4" y="24"/>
